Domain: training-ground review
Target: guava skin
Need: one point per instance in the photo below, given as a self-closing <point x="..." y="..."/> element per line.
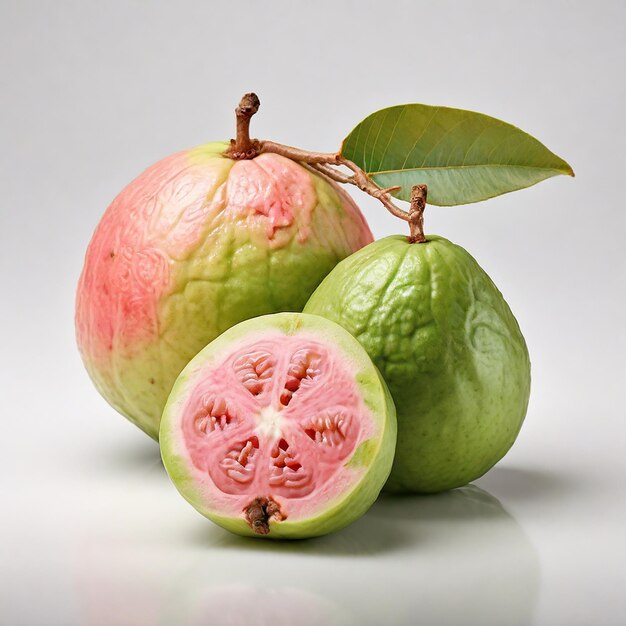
<point x="194" y="245"/>
<point x="447" y="345"/>
<point x="362" y="474"/>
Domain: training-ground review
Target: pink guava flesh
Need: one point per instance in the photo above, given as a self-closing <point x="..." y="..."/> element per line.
<point x="270" y="427"/>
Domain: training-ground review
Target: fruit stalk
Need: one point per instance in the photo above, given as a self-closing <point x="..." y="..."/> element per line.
<point x="243" y="147"/>
<point x="416" y="213"/>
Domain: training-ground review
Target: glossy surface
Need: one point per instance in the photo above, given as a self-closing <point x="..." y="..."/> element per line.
<point x="303" y="423"/>
<point x="195" y="244"/>
<point x="447" y="345"/>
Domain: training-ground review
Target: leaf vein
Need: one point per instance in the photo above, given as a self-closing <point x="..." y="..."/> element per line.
<point x="393" y="132"/>
<point x="432" y="117"/>
<point x="438" y="142"/>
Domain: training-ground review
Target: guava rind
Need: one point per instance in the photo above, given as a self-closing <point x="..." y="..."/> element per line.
<point x="195" y="244"/>
<point x="447" y="345"/>
<point x="375" y="455"/>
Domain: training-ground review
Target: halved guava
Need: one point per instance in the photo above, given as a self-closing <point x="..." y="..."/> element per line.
<point x="281" y="427"/>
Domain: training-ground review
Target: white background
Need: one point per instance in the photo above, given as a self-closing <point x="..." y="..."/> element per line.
<point x="92" y="531"/>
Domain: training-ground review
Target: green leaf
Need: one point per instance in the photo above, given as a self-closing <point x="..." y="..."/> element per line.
<point x="462" y="156"/>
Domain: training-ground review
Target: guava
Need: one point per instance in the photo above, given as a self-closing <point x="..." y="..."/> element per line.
<point x="447" y="345"/>
<point x="282" y="427"/>
<point x="195" y="244"/>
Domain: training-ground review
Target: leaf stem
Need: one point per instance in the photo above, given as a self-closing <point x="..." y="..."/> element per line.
<point x="323" y="162"/>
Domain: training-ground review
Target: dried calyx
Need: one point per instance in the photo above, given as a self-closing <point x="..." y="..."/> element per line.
<point x="259" y="513"/>
<point x="326" y="163"/>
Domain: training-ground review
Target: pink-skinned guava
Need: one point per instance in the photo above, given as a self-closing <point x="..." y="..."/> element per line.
<point x="194" y="245"/>
<point x="281" y="427"/>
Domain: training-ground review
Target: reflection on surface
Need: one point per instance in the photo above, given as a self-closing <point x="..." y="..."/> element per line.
<point x="257" y="604"/>
<point x="453" y="558"/>
<point x="472" y="563"/>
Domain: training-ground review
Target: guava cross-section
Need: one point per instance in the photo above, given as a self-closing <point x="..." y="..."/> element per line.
<point x="281" y="427"/>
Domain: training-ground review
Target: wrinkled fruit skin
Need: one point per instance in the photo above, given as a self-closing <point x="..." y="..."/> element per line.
<point x="236" y="431"/>
<point x="195" y="244"/>
<point x="449" y="348"/>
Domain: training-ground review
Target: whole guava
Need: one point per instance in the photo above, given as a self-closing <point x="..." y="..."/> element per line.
<point x="449" y="348"/>
<point x="195" y="244"/>
<point x="281" y="427"/>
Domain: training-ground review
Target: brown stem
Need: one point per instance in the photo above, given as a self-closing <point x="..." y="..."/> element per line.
<point x="325" y="162"/>
<point x="329" y="158"/>
<point x="320" y="162"/>
<point x="243" y="147"/>
<point x="333" y="174"/>
<point x="366" y="184"/>
<point x="416" y="213"/>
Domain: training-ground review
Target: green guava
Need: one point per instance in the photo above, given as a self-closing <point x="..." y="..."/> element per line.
<point x="449" y="348"/>
<point x="195" y="244"/>
<point x="282" y="427"/>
